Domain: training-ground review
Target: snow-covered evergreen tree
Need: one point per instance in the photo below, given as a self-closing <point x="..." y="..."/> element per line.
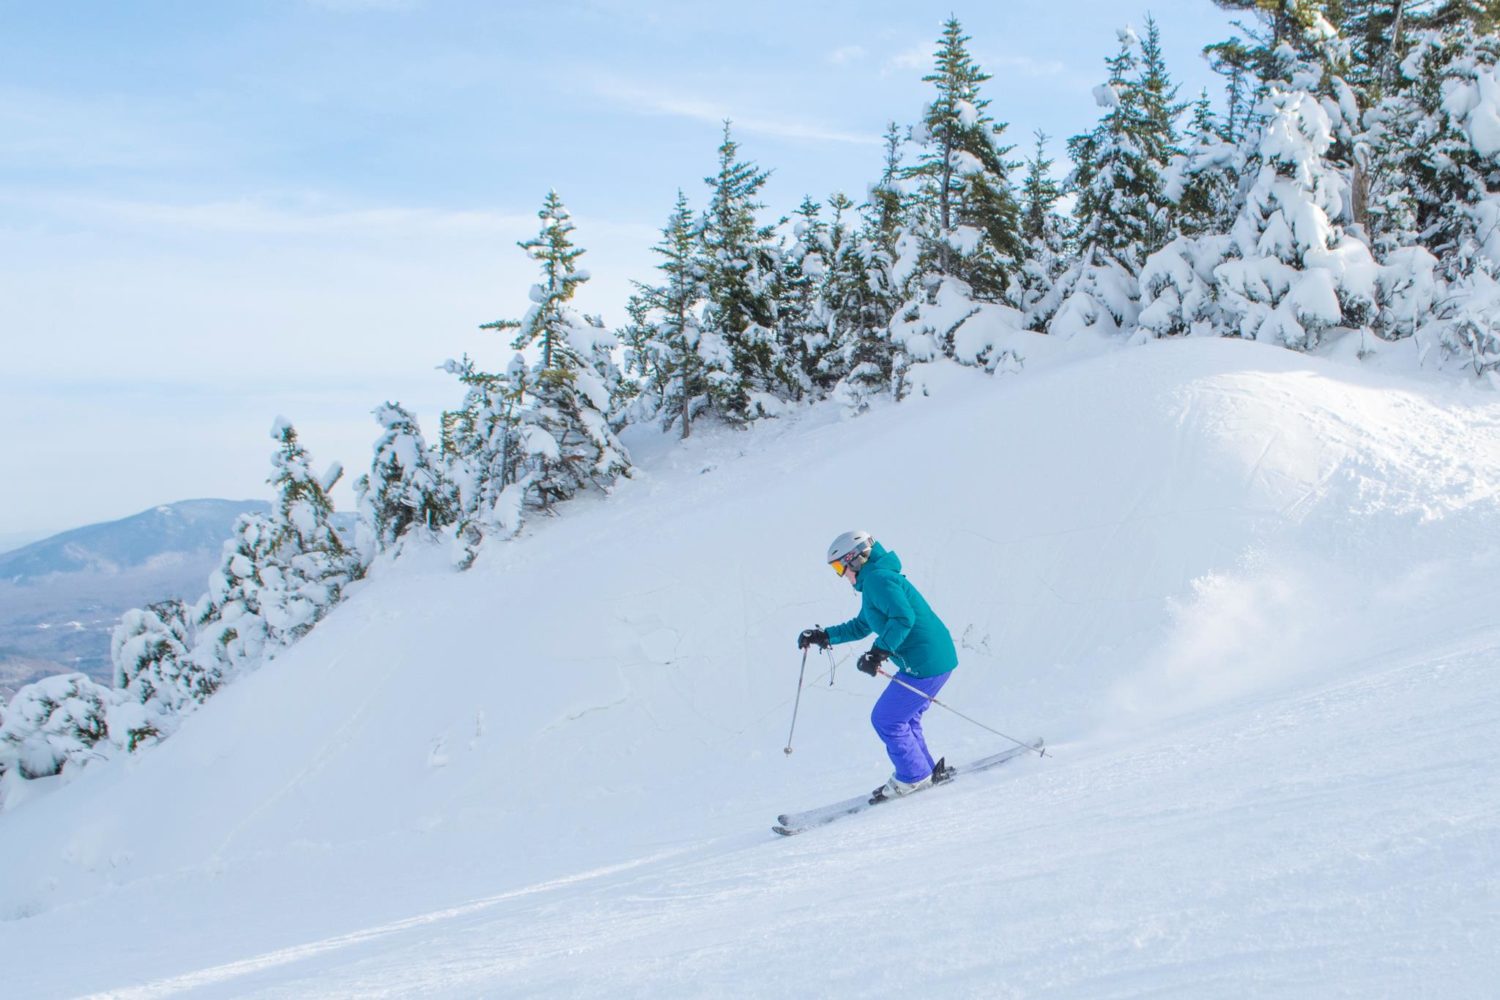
<point x="803" y="317"/>
<point x="279" y="575"/>
<point x="150" y="651"/>
<point x="1201" y="180"/>
<point x="231" y="627"/>
<point x="1177" y="282"/>
<point x="1291" y="271"/>
<point x="563" y="427"/>
<point x="1436" y="140"/>
<point x="960" y="248"/>
<point x="740" y="272"/>
<point x="485" y="453"/>
<point x="1043" y="234"/>
<point x="309" y="564"/>
<point x="962" y="211"/>
<point x="407" y="485"/>
<point x="1122" y="206"/>
<point x="56" y="722"/>
<point x="863" y="290"/>
<point x="684" y="360"/>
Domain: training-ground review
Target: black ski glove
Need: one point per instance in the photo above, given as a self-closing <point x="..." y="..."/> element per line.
<point x="872" y="659"/>
<point x="813" y="637"/>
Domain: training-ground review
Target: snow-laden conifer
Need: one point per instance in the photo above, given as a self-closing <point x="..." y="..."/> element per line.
<point x="863" y="290"/>
<point x="1291" y="271"/>
<point x="407" y="485"/>
<point x="279" y="575"/>
<point x="740" y="268"/>
<point x="562" y="440"/>
<point x="1043" y="234"/>
<point x="804" y="317"/>
<point x="152" y="667"/>
<point x="680" y="360"/>
<point x="960" y="250"/>
<point x="56" y="722"/>
<point x="1122" y="208"/>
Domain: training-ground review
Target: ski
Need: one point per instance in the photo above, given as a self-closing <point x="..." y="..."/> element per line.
<point x="790" y="824"/>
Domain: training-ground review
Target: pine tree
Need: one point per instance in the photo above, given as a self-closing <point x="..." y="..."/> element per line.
<point x="1292" y="271"/>
<point x="863" y="289"/>
<point x="885" y="210"/>
<point x="803" y="325"/>
<point x="231" y="631"/>
<point x="966" y="213"/>
<point x="485" y="454"/>
<point x="563" y="427"/>
<point x="1043" y="233"/>
<point x="309" y="565"/>
<point x="407" y="485"/>
<point x="56" y="723"/>
<point x="1438" y="136"/>
<point x="153" y="669"/>
<point x="1201" y="180"/>
<point x="1122" y="208"/>
<point x="684" y="361"/>
<point x="647" y="380"/>
<point x="279" y="575"/>
<point x="739" y="267"/>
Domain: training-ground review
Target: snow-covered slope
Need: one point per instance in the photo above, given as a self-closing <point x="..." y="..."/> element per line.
<point x="1247" y="595"/>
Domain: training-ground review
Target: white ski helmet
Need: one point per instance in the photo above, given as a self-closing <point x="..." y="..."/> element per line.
<point x="849" y="551"/>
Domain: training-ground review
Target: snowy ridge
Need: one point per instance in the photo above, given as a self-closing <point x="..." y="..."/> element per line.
<point x="1247" y="594"/>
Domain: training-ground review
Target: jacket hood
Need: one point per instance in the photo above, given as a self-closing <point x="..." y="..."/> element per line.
<point x="882" y="560"/>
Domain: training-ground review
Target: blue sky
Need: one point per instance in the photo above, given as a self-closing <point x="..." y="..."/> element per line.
<point x="212" y="214"/>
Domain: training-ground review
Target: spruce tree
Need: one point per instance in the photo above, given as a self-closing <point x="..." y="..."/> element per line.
<point x="803" y="319"/>
<point x="863" y="289"/>
<point x="406" y="486"/>
<point x="1043" y="233"/>
<point x="563" y="429"/>
<point x="309" y="565"/>
<point x="1201" y="180"/>
<point x="231" y="630"/>
<point x="484" y="453"/>
<point x="56" y="723"/>
<point x="152" y="670"/>
<point x="1122" y="209"/>
<point x="1292" y="271"/>
<point x="966" y="213"/>
<point x="739" y="265"/>
<point x="684" y="361"/>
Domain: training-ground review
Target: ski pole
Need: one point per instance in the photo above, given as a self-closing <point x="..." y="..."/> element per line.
<point x="798" y="703"/>
<point x="924" y="694"/>
<point x="833" y="664"/>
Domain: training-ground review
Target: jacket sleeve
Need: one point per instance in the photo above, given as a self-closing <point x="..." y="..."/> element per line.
<point x="890" y="599"/>
<point x="854" y="628"/>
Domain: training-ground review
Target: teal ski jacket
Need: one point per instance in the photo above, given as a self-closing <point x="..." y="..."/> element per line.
<point x="904" y="624"/>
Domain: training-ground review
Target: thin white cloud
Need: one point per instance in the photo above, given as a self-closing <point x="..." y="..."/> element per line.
<point x="647" y="101"/>
<point x="248" y="217"/>
<point x="847" y="54"/>
<point x="1026" y="66"/>
<point x="50" y="132"/>
<point x="918" y="56"/>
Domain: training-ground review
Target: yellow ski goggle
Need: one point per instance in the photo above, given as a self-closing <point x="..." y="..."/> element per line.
<point x="850" y="563"/>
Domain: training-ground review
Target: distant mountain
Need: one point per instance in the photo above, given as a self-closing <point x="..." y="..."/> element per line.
<point x="61" y="597"/>
<point x="113" y="547"/>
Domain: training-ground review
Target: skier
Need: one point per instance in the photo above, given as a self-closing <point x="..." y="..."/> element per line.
<point x="908" y="633"/>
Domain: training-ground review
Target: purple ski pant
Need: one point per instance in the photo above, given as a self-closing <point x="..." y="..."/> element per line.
<point x="897" y="717"/>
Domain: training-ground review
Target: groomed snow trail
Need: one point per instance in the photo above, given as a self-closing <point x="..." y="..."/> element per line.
<point x="1247" y="596"/>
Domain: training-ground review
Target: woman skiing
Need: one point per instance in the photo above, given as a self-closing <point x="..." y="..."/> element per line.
<point x="909" y="634"/>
